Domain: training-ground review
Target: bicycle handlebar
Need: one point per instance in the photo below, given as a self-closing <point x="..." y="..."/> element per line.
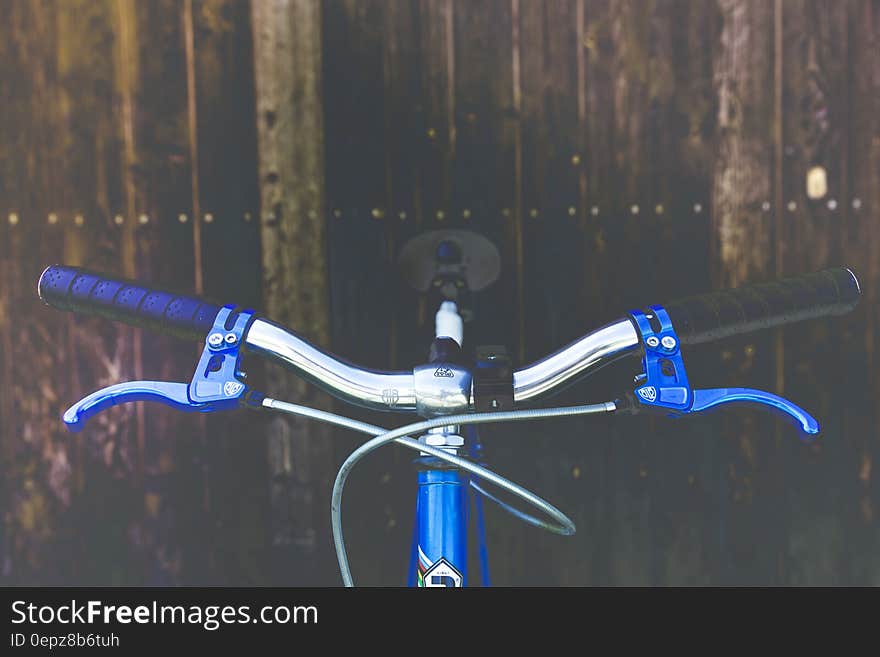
<point x="696" y="319"/>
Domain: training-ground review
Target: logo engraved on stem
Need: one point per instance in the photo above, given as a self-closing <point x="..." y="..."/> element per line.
<point x="390" y="396"/>
<point x="444" y="372"/>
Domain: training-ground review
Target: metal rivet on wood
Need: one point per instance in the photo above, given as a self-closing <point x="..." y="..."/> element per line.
<point x="13" y="219"/>
<point x="575" y="159"/>
<point x="78" y="218"/>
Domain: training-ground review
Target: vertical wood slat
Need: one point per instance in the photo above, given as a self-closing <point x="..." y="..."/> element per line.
<point x="813" y="114"/>
<point x="87" y="72"/>
<point x="486" y="164"/>
<point x="154" y="177"/>
<point x="862" y="239"/>
<point x="287" y="55"/>
<point x="485" y="153"/>
<point x="127" y="71"/>
<point x="29" y="442"/>
<point x="193" y="143"/>
<point x="222" y="70"/>
<point x="360" y="242"/>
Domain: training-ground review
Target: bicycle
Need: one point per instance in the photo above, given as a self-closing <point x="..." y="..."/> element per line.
<point x="447" y="391"/>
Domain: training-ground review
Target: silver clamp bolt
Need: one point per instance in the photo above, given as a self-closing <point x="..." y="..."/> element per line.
<point x="652" y="341"/>
<point x="231" y="338"/>
<point x="215" y="339"/>
<point x="668" y="342"/>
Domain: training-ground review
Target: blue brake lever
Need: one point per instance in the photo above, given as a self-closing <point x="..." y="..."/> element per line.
<point x="171" y="394"/>
<point x="214" y="386"/>
<point x="664" y="384"/>
<point x="705" y="400"/>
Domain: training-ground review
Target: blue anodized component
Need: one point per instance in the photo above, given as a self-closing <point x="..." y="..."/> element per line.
<point x="664" y="385"/>
<point x="441" y="526"/>
<point x="214" y="386"/>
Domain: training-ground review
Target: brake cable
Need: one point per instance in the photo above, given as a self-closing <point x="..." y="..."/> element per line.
<point x="382" y="436"/>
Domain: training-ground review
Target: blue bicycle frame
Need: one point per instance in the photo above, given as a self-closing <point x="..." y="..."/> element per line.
<point x="441" y="527"/>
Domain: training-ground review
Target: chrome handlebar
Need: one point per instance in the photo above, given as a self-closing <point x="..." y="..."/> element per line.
<point x="386" y="391"/>
<point x="422" y="390"/>
<point x="585" y="354"/>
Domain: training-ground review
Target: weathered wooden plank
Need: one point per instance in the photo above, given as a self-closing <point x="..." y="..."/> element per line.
<point x="290" y="123"/>
<point x="355" y="119"/>
<point x="678" y="152"/>
<point x="88" y="66"/>
<point x="744" y="251"/>
<point x="416" y="174"/>
<point x="552" y="161"/>
<point x="485" y="147"/>
<point x="359" y="68"/>
<point x="221" y="68"/>
<point x="814" y="107"/>
<point x="37" y="462"/>
<point x="854" y="338"/>
<point x="617" y="36"/>
<point x="437" y="49"/>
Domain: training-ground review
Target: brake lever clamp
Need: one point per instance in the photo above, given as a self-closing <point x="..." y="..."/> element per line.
<point x="663" y="385"/>
<point x="215" y="385"/>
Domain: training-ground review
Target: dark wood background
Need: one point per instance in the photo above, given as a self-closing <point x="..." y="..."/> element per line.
<point x="278" y="154"/>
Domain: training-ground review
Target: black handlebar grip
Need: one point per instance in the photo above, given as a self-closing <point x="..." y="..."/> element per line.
<point x="88" y="292"/>
<point x="723" y="314"/>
